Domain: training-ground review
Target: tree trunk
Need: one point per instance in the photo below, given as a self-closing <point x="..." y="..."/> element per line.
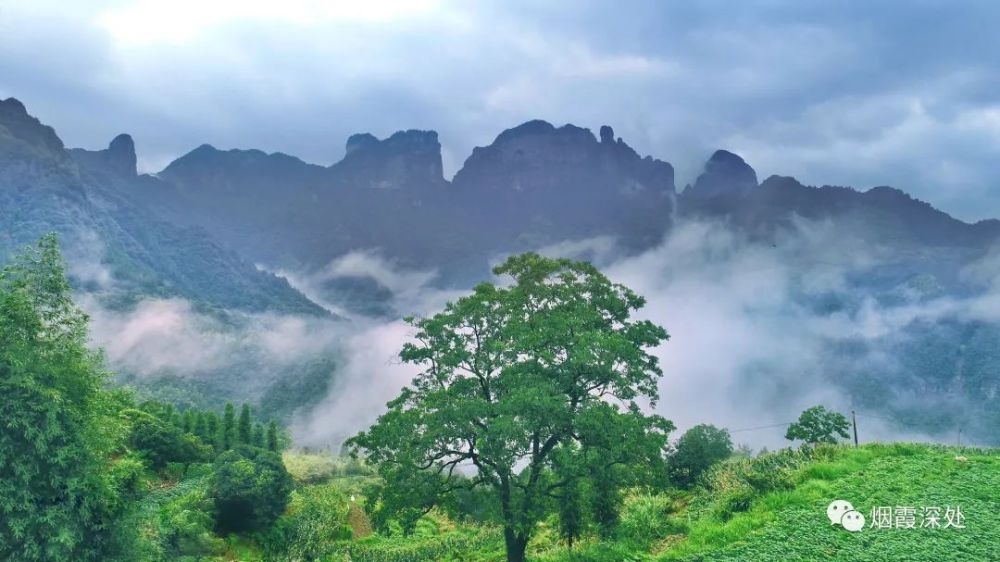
<point x="516" y="545"/>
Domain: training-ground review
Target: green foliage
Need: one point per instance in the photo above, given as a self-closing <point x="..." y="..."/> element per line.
<point x="257" y="439"/>
<point x="571" y="523"/>
<point x="647" y="518"/>
<point x="244" y="427"/>
<point x="300" y="389"/>
<point x="317" y="523"/>
<point x="605" y="500"/>
<point x="161" y="443"/>
<point x="250" y="487"/>
<point x="187" y="421"/>
<point x="59" y="495"/>
<point x="272" y="436"/>
<point x="186" y="527"/>
<point x="310" y="468"/>
<point x="201" y="427"/>
<point x="227" y="435"/>
<point x="212" y="428"/>
<point x="698" y="449"/>
<point x="463" y="545"/>
<point x="818" y="425"/>
<point x="515" y="376"/>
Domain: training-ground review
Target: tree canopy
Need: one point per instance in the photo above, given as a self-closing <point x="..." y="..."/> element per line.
<point x="698" y="449"/>
<point x="532" y="387"/>
<point x="58" y="430"/>
<point x="818" y="425"/>
<point x="250" y="487"/>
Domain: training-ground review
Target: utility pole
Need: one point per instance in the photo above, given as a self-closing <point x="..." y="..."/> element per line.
<point x="854" y="421"/>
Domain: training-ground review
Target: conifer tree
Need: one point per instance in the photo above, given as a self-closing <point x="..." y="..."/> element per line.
<point x="244" y="431"/>
<point x="258" y="435"/>
<point x="272" y="436"/>
<point x="227" y="436"/>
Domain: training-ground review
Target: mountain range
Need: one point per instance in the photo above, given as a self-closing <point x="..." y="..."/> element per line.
<point x="534" y="185"/>
<point x="214" y="224"/>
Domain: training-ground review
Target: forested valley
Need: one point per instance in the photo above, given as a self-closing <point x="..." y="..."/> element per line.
<point x="522" y="440"/>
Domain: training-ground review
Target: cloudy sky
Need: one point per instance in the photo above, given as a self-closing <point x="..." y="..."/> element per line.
<point x="902" y="93"/>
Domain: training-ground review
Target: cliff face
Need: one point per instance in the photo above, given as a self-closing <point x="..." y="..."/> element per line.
<point x="118" y="246"/>
<point x="536" y="184"/>
<point x="541" y="184"/>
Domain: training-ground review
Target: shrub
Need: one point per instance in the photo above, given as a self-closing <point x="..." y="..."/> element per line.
<point x="308" y="468"/>
<point x="186" y="527"/>
<point x="316" y="523"/>
<point x="161" y="443"/>
<point x="251" y="489"/>
<point x="733" y="502"/>
<point x="647" y="518"/>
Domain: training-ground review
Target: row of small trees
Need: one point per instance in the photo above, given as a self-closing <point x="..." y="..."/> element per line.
<point x="224" y="432"/>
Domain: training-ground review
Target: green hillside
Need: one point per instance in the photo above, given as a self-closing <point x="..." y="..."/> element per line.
<point x="791" y="524"/>
<point x="768" y="508"/>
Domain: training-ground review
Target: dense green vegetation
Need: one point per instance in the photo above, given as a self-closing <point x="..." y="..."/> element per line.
<point x="87" y="472"/>
<point x="78" y="460"/>
<point x="59" y="485"/>
<point x="523" y="385"/>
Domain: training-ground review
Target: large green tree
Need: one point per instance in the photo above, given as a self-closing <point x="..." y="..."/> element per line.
<point x="533" y="386"/>
<point x="697" y="450"/>
<point x="818" y="425"/>
<point x="58" y="428"/>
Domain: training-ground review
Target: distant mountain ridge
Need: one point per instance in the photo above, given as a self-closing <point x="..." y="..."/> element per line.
<point x="210" y="225"/>
<point x="536" y="184"/>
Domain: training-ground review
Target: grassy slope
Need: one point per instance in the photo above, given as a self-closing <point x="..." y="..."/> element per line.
<point x="792" y="525"/>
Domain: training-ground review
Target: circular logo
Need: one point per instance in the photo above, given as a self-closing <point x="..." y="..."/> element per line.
<point x="837" y="509"/>
<point x="853" y="521"/>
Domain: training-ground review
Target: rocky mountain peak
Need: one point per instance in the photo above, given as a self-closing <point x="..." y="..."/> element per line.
<point x="724" y="173"/>
<point x="120" y="155"/>
<point x="360" y="141"/>
<point x="536" y="154"/>
<point x="406" y="157"/>
<point x="607" y="134"/>
<point x="22" y="128"/>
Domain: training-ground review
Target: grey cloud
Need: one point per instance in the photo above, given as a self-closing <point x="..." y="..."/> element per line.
<point x="823" y="91"/>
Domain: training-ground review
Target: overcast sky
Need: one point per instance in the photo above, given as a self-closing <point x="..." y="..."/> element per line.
<point x="905" y="94"/>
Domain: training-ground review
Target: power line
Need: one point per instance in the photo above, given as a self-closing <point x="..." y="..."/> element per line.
<point x="772" y="426"/>
<point x="760" y="427"/>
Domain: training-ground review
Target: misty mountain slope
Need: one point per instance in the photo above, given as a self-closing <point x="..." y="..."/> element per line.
<point x="283" y="212"/>
<point x="534" y="185"/>
<point x="883" y="300"/>
<point x="910" y="236"/>
<point x="117" y="247"/>
<point x="728" y="188"/>
<point x="896" y="296"/>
